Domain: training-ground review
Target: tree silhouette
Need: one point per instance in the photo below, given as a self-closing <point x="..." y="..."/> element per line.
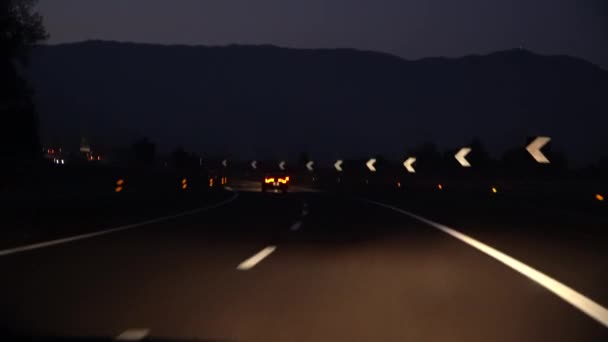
<point x="145" y="152"/>
<point x="479" y="155"/>
<point x="181" y="158"/>
<point x="20" y="29"/>
<point x="429" y="159"/>
<point x="303" y="159"/>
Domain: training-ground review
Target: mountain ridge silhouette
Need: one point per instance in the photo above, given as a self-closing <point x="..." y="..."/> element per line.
<point x="265" y="101"/>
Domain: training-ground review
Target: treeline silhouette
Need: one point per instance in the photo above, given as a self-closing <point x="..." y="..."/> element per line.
<point x="20" y="28"/>
<point x="430" y="160"/>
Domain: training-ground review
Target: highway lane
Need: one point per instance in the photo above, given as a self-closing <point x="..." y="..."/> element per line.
<point x="42" y="217"/>
<point x="350" y="271"/>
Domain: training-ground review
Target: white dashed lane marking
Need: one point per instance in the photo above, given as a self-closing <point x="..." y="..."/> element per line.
<point x="296" y="226"/>
<point x="304" y="208"/>
<point x="133" y="335"/>
<point x="254" y="260"/>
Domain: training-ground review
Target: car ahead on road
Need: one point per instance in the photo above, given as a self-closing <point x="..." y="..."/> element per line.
<point x="275" y="182"/>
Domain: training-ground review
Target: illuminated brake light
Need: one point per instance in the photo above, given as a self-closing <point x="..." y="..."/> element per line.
<point x="269" y="180"/>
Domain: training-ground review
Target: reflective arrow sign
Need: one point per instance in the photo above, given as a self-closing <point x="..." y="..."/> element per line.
<point x="309" y="166"/>
<point x="461" y="156"/>
<point x="225" y="163"/>
<point x="282" y="165"/>
<point x="370" y="164"/>
<point x="254" y="164"/>
<point x="338" y="165"/>
<point x="409" y="164"/>
<point x="535" y="149"/>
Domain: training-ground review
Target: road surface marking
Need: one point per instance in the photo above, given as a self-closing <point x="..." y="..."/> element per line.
<point x="133" y="335"/>
<point x="304" y="208"/>
<point x="254" y="260"/>
<point x="574" y="298"/>
<point x="296" y="226"/>
<point x="113" y="230"/>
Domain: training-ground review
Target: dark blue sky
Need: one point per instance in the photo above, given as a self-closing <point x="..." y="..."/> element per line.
<point x="408" y="28"/>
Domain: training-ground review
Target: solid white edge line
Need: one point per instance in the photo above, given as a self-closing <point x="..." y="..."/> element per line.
<point x="112" y="230"/>
<point x="254" y="260"/>
<point x="571" y="296"/>
<point x="133" y="335"/>
<point x="296" y="226"/>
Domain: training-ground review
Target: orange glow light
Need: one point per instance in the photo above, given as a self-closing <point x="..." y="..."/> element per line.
<point x="118" y="189"/>
<point x="120" y="182"/>
<point x="269" y="180"/>
<point x="398" y="184"/>
<point x="439" y="186"/>
<point x="185" y="180"/>
<point x="599" y="197"/>
<point x="494" y="190"/>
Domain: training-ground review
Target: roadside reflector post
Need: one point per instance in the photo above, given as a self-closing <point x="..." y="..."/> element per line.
<point x="184" y="183"/>
<point x="119" y="186"/>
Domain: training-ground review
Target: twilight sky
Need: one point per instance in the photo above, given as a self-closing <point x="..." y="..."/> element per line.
<point x="408" y="28"/>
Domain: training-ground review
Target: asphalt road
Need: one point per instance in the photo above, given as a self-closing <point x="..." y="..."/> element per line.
<point x="311" y="266"/>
